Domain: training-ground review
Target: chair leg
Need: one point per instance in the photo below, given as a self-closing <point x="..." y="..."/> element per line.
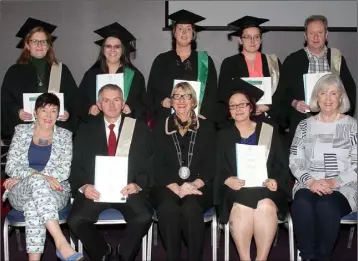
<point x="155" y="233"/>
<point x="351" y="234"/>
<point x="149" y="241"/>
<point x="291" y="237"/>
<point x="6" y="240"/>
<point x="227" y="237"/>
<point x="80" y="247"/>
<point x="18" y="239"/>
<point x="276" y="237"/>
<point x="214" y="228"/>
<point x="144" y="248"/>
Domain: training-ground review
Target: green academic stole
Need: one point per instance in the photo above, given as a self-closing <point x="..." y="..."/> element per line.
<point x="128" y="75"/>
<point x="203" y="68"/>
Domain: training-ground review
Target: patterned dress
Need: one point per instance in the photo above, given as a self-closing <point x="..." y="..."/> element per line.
<point x="322" y="150"/>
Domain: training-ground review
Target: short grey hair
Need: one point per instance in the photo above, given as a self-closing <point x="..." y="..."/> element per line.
<point x="112" y="87"/>
<point x="314" y="18"/>
<point x="324" y="82"/>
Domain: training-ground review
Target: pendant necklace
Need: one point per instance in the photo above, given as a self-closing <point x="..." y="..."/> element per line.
<point x="40" y="79"/>
<point x="184" y="171"/>
<point x="43" y="141"/>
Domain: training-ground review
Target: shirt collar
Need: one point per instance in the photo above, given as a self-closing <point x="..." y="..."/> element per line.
<point x="310" y="55"/>
<point x="116" y="124"/>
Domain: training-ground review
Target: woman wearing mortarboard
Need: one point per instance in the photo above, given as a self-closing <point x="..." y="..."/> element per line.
<point x="183" y="63"/>
<point x="37" y="70"/>
<point x="251" y="207"/>
<point x="113" y="60"/>
<point x="249" y="63"/>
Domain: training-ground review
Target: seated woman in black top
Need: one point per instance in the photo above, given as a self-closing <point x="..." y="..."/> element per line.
<point x="184" y="165"/>
<point x="251" y="211"/>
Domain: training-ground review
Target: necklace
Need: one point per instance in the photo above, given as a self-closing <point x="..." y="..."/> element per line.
<point x="184" y="171"/>
<point x="43" y="141"/>
<point x="322" y="120"/>
<point x="40" y="79"/>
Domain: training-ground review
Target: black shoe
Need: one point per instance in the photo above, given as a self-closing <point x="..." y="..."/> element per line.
<point x="108" y="254"/>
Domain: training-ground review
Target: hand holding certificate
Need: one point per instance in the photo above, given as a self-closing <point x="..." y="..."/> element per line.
<point x="29" y="100"/>
<point x="111" y="174"/>
<point x="251" y="164"/>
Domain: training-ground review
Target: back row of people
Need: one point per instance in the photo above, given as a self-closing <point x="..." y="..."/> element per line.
<point x="36" y="68"/>
<point x="182" y="169"/>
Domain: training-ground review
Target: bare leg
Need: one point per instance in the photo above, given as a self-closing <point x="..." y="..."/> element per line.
<point x="60" y="241"/>
<point x="34" y="257"/>
<point x="242" y="229"/>
<point x="265" y="226"/>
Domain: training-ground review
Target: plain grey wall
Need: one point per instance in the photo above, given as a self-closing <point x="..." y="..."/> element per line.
<point x="76" y="21"/>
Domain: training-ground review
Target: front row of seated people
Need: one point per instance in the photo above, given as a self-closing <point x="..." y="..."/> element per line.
<point x="181" y="169"/>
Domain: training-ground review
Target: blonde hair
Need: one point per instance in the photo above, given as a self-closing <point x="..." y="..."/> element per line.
<point x="188" y="89"/>
<point x="325" y="82"/>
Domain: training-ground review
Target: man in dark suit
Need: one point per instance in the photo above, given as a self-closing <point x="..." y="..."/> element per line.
<point x="98" y="136"/>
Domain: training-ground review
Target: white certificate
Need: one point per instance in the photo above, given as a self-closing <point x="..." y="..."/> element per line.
<point x="309" y="81"/>
<point x="111" y="176"/>
<point x="264" y="84"/>
<point x="110" y="78"/>
<point x="251" y="164"/>
<point x="29" y="100"/>
<point x="197" y="87"/>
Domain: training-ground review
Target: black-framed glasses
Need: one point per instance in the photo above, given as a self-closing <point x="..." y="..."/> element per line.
<point x="252" y="38"/>
<point x="38" y="42"/>
<point x="240" y="105"/>
<point x="180" y="96"/>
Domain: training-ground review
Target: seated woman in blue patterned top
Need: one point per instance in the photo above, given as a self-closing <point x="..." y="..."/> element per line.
<point x="323" y="159"/>
<point x="38" y="163"/>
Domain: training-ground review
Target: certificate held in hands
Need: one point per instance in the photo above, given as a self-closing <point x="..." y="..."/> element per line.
<point x="251" y="164"/>
<point x="111" y="176"/>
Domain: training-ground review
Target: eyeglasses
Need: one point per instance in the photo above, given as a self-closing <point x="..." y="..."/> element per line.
<point x="184" y="96"/>
<point x="254" y="38"/>
<point x="117" y="46"/>
<point x="39" y="42"/>
<point x="240" y="105"/>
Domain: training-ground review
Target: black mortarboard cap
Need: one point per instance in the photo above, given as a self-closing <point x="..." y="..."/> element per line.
<point x="237" y="85"/>
<point x="116" y="30"/>
<point x="187" y="17"/>
<point x="31" y="23"/>
<point x="248" y="21"/>
<point x="238" y="33"/>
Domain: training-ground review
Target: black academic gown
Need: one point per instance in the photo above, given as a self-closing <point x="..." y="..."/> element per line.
<point x="236" y="67"/>
<point x="22" y="78"/>
<point x="165" y="159"/>
<point x="135" y="99"/>
<point x="165" y="69"/>
<point x="91" y="141"/>
<point x="291" y="88"/>
<point x="277" y="168"/>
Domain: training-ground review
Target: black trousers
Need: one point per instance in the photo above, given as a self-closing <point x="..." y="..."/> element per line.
<point x="177" y="217"/>
<point x="316" y="222"/>
<point x="84" y="213"/>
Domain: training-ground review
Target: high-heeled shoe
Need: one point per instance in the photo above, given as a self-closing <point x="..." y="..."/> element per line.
<point x="74" y="257"/>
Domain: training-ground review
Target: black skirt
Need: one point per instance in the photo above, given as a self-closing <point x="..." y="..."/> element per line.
<point x="250" y="197"/>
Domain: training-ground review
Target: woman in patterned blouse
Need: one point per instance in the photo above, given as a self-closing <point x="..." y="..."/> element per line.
<point x="38" y="164"/>
<point x="323" y="159"/>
